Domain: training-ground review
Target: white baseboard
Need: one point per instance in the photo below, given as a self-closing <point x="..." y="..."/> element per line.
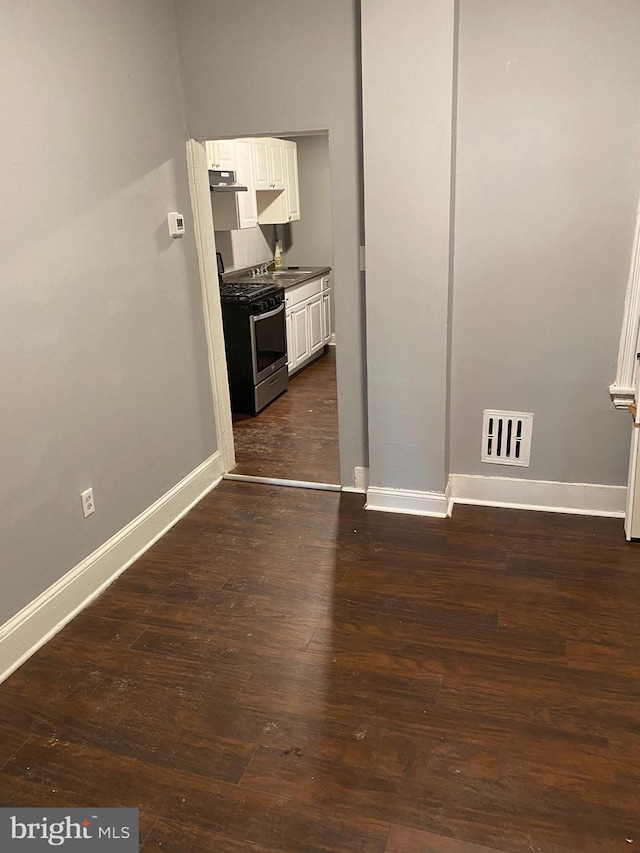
<point x="43" y="617"/>
<point x="435" y="504"/>
<point x="360" y="481"/>
<point x="539" y="495"/>
<point x="332" y="342"/>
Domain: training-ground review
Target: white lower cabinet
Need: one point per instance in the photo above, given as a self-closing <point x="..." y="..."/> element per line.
<point x="300" y="344"/>
<point x="308" y="321"/>
<point x="289" y="326"/>
<point x="326" y="316"/>
<point x="315" y="324"/>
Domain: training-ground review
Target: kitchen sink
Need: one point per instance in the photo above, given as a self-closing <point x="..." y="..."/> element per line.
<point x="291" y="273"/>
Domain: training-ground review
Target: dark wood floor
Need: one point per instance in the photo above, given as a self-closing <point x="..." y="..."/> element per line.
<point x="296" y="436"/>
<point x="285" y="671"/>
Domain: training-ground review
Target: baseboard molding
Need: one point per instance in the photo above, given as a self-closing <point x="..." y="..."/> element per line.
<point x="43" y="617"/>
<point x="539" y="495"/>
<point x="434" y="504"/>
<point x="360" y="481"/>
<point x="332" y="342"/>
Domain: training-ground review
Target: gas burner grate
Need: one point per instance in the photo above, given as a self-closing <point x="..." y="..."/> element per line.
<point x="244" y="291"/>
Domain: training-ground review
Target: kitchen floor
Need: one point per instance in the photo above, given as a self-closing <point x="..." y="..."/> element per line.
<point x="296" y="436"/>
<point x="286" y="672"/>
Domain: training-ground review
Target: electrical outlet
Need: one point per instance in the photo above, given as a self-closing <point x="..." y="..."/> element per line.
<point x="88" y="505"/>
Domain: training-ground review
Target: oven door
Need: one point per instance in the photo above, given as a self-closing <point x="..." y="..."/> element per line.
<point x="268" y="343"/>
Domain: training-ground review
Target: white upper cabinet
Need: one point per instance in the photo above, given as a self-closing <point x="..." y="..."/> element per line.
<point x="221" y="154"/>
<point x="268" y="154"/>
<point x="261" y="163"/>
<point x="269" y="168"/>
<point x="234" y="211"/>
<point x="276" y="160"/>
<point x="279" y="197"/>
<point x="291" y="186"/>
<point x="247" y="207"/>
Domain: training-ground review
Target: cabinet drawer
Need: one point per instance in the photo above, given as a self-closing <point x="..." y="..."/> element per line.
<point x="302" y="292"/>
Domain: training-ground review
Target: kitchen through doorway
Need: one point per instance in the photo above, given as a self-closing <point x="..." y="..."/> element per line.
<point x="284" y="244"/>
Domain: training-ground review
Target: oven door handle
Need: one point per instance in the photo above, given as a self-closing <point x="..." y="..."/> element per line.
<point x="256" y="317"/>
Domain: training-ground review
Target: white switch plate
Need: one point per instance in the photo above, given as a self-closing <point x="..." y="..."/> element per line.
<point x="88" y="506"/>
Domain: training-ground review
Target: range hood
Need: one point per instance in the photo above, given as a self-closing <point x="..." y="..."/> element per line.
<point x="224" y="182"/>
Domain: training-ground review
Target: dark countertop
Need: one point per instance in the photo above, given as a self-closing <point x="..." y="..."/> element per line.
<point x="297" y="276"/>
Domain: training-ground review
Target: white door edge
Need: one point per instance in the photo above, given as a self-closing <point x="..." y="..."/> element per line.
<point x="633" y="472"/>
<point x="631" y="488"/>
<point x="626" y="369"/>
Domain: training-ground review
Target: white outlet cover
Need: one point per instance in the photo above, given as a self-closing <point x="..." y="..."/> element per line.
<point x="88" y="505"/>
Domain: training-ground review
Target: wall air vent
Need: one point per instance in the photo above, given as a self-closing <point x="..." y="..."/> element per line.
<point x="506" y="437"/>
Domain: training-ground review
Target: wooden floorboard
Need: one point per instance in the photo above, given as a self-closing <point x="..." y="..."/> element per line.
<point x="296" y="436"/>
<point x="285" y="672"/>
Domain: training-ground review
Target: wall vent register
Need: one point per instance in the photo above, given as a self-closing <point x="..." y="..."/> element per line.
<point x="506" y="437"/>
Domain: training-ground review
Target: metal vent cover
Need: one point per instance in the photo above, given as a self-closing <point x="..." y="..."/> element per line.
<point x="506" y="437"/>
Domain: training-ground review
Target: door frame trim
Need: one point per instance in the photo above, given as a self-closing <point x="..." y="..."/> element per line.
<point x="206" y="249"/>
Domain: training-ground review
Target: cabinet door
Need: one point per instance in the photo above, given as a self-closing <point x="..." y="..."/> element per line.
<point x="326" y="316"/>
<point x="211" y="154"/>
<point x="292" y="189"/>
<point x="222" y="153"/>
<point x="299" y="321"/>
<point x="262" y="172"/>
<point x="315" y="324"/>
<point x="247" y="208"/>
<point x="276" y="163"/>
<point x="289" y="323"/>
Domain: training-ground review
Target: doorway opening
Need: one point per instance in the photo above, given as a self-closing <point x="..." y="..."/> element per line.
<point x="274" y="242"/>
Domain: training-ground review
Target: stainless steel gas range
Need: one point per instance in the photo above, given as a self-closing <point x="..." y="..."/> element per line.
<point x="253" y="316"/>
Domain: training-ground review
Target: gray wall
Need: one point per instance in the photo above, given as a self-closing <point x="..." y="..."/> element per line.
<point x="310" y="239"/>
<point x="407" y="89"/>
<point x="288" y="66"/>
<point x="102" y="351"/>
<point x="548" y="176"/>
